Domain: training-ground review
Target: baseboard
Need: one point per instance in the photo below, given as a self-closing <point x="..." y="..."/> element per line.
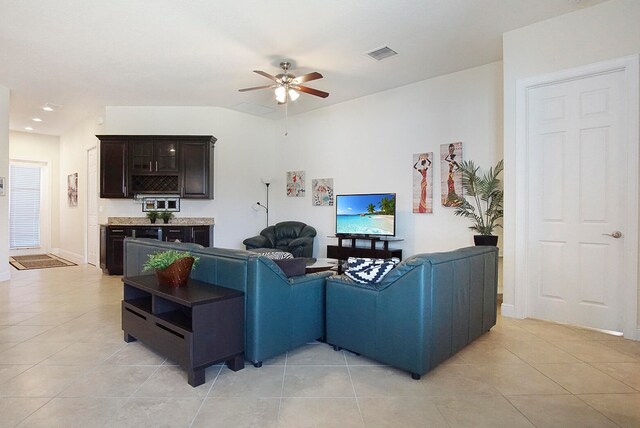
<point x="68" y="255"/>
<point x="508" y="310"/>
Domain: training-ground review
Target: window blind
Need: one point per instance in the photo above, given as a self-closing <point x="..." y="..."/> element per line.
<point x="24" y="207"/>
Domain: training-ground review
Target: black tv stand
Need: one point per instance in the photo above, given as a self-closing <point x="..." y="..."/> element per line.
<point x="342" y="252"/>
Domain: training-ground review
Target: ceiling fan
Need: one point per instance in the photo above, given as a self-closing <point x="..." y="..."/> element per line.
<point x="287" y="85"/>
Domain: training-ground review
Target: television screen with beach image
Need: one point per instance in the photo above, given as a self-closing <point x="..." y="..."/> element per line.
<point x="366" y="214"/>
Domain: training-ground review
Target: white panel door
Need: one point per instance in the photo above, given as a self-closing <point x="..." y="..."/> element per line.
<point x="577" y="176"/>
<point x="93" y="232"/>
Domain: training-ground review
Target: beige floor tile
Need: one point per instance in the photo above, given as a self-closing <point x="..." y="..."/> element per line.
<point x="155" y="412"/>
<point x="6" y="345"/>
<point x="494" y="411"/>
<point x="31" y="352"/>
<point x="319" y="413"/>
<point x="626" y="346"/>
<point x="238" y="413"/>
<point x="84" y="354"/>
<point x="109" y="381"/>
<point x="594" y="352"/>
<point x="539" y="352"/>
<point x="20" y="333"/>
<point x="553" y="332"/>
<point x="623" y="409"/>
<point x="509" y="332"/>
<point x="14" y="410"/>
<point x="583" y="379"/>
<point x="460" y="379"/>
<point x="517" y="379"/>
<point x="405" y="412"/>
<point x="40" y="381"/>
<point x="359" y="360"/>
<point x="15" y="318"/>
<point x="51" y="318"/>
<point x="484" y="352"/>
<point x="12" y="370"/>
<point x="376" y="381"/>
<point x="172" y="382"/>
<point x="264" y="382"/>
<point x="567" y="411"/>
<point x="316" y="354"/>
<point x="85" y="412"/>
<point x="628" y="373"/>
<point x="136" y="354"/>
<point x="317" y="381"/>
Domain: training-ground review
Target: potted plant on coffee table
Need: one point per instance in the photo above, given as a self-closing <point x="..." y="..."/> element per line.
<point x="486" y="193"/>
<point x="172" y="267"/>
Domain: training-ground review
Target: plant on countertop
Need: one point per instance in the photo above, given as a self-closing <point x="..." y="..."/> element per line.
<point x="166" y="216"/>
<point x="487" y="194"/>
<point x="161" y="260"/>
<point x="152" y="216"/>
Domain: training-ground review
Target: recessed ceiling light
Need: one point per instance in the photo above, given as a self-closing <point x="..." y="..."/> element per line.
<point x="28" y="128"/>
<point x="37" y="119"/>
<point x="51" y="107"/>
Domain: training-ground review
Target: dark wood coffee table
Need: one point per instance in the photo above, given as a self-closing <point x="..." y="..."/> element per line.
<point x="321" y="264"/>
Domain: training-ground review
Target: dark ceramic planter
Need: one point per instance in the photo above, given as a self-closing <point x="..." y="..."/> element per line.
<point x="491" y="240"/>
<point x="177" y="273"/>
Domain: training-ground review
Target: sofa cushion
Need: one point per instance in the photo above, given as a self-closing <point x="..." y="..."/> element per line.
<point x="292" y="267"/>
<point x="369" y="271"/>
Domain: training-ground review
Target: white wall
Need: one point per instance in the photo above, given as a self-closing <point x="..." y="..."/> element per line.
<point x="606" y="31"/>
<point x="244" y="152"/>
<point x="4" y="172"/>
<point x="45" y="149"/>
<point x="367" y="145"/>
<point x="73" y="158"/>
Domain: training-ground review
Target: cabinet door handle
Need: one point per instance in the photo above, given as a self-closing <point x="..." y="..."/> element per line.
<point x="156" y="166"/>
<point x="117" y="231"/>
<point x="174" y="230"/>
<point x="150" y="169"/>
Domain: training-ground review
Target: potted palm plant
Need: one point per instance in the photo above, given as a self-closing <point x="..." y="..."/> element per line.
<point x="152" y="216"/>
<point x="172" y="267"/>
<point x="486" y="193"/>
<point x="166" y="216"/>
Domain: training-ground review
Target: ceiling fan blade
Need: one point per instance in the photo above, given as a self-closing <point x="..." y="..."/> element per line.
<point x="307" y="77"/>
<point x="311" y="91"/>
<point x="257" y="87"/>
<point x="267" y="75"/>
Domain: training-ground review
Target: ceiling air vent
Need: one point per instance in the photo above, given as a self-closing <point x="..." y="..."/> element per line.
<point x="382" y="53"/>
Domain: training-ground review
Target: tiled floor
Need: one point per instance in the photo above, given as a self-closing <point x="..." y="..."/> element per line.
<point x="63" y="363"/>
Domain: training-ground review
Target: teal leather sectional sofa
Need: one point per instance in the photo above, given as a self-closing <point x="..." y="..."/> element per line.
<point x="422" y="312"/>
<point x="280" y="313"/>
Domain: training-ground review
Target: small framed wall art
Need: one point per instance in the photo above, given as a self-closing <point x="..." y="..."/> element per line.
<point x="1" y="186"/>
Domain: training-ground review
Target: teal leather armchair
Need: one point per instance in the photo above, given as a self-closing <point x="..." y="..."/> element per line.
<point x="422" y="312"/>
<point x="290" y="236"/>
<point x="280" y="313"/>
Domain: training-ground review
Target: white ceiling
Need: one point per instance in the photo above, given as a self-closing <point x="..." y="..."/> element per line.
<point x="85" y="54"/>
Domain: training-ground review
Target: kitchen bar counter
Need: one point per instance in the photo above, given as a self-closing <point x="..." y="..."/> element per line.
<point x="143" y="221"/>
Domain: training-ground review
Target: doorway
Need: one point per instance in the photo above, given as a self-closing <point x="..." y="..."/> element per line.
<point x="577" y="223"/>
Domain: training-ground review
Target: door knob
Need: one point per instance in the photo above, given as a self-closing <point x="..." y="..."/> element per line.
<point x="616" y="234"/>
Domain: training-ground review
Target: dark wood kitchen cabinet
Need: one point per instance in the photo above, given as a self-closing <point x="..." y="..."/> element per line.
<point x="112" y="248"/>
<point x="197" y="169"/>
<point x="113" y="167"/>
<point x="156" y="164"/>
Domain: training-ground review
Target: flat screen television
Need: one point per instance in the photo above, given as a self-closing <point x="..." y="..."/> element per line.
<point x="371" y="214"/>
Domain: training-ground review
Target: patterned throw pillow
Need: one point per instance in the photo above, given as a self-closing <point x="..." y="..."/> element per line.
<point x="273" y="254"/>
<point x="369" y="271"/>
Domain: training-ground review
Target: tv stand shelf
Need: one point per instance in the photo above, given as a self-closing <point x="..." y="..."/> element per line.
<point x="342" y="252"/>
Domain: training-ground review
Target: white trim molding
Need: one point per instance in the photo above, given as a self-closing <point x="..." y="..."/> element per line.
<point x="630" y="67"/>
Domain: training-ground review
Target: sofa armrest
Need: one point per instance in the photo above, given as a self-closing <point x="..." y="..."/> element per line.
<point x="257" y="242"/>
<point x="301" y="242"/>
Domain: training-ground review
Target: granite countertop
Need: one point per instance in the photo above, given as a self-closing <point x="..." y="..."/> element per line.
<point x="143" y="221"/>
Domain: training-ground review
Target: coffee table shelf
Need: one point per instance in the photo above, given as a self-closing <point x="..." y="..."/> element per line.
<point x="196" y="326"/>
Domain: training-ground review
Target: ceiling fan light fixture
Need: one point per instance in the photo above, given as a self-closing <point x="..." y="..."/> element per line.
<point x="293" y="95"/>
<point x="281" y="94"/>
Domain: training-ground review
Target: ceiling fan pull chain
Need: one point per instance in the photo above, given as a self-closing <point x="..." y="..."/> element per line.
<point x="286" y="119"/>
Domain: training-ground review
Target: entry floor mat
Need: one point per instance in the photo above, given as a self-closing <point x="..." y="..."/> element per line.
<point x="38" y="261"/>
